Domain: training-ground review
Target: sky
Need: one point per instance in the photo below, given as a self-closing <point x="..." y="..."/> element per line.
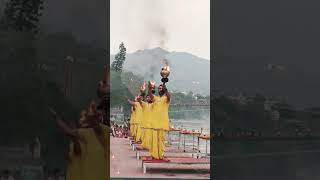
<point x="175" y="25"/>
<point x="86" y="20"/>
<point x="250" y="34"/>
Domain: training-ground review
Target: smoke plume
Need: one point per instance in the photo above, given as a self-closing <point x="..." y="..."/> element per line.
<point x="153" y="32"/>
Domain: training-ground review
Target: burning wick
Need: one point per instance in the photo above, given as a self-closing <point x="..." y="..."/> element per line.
<point x="112" y="156"/>
<point x="152" y="83"/>
<point x="166" y="68"/>
<point x="118" y="172"/>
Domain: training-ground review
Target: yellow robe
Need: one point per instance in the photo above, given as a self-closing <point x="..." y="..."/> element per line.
<point x="160" y="124"/>
<point x="161" y="110"/>
<point x="158" y="144"/>
<point x="75" y="164"/>
<point x="95" y="155"/>
<point x="132" y="122"/>
<point x="147" y="132"/>
<point x="138" y="119"/>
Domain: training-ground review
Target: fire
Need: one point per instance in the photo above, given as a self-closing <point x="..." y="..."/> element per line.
<point x="152" y="82"/>
<point x="143" y="87"/>
<point x="167" y="68"/>
<point x="166" y="65"/>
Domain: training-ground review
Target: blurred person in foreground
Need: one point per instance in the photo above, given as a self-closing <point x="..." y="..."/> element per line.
<point x="92" y="152"/>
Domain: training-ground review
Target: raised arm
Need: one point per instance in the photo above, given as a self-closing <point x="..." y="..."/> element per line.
<point x="130" y="102"/>
<point x="63" y="126"/>
<point x="167" y="93"/>
<point x="140" y="101"/>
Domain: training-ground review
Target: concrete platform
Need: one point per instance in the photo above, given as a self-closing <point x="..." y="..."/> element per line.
<point x="176" y="163"/>
<point x="124" y="164"/>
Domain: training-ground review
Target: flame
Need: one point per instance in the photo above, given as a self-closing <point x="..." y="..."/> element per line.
<point x="167" y="68"/>
<point x="166" y="64"/>
<point x="143" y="87"/>
<point x="152" y="82"/>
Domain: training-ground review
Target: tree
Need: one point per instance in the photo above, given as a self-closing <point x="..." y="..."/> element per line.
<point x="119" y="59"/>
<point x="22" y="15"/>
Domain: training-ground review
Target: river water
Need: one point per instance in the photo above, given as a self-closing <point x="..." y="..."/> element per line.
<point x="267" y="159"/>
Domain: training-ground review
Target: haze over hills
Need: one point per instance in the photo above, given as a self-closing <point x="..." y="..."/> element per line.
<point x="188" y="72"/>
<point x="294" y="80"/>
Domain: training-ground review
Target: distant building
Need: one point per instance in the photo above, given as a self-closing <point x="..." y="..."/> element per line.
<point x="116" y="110"/>
<point x="269" y="105"/>
<point x="275" y="115"/>
<point x="117" y="114"/>
<point x="239" y="99"/>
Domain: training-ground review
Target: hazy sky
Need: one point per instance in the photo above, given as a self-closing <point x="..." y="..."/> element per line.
<point x="175" y="25"/>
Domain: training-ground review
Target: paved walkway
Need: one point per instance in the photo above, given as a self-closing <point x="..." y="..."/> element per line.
<point x="124" y="163"/>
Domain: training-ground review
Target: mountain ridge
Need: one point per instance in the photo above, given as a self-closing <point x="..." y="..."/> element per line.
<point x="188" y="72"/>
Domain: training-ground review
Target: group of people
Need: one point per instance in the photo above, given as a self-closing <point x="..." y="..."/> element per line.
<point x="88" y="153"/>
<point x="149" y="119"/>
<point x="119" y="131"/>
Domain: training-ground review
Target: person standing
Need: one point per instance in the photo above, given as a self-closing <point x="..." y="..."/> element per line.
<point x="138" y="117"/>
<point x="147" y="131"/>
<point x="160" y="120"/>
<point x="132" y="121"/>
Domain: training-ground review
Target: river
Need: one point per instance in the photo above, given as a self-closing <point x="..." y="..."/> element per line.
<point x="267" y="159"/>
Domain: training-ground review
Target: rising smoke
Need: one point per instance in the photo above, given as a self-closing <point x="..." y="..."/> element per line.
<point x="179" y="25"/>
<point x="152" y="32"/>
